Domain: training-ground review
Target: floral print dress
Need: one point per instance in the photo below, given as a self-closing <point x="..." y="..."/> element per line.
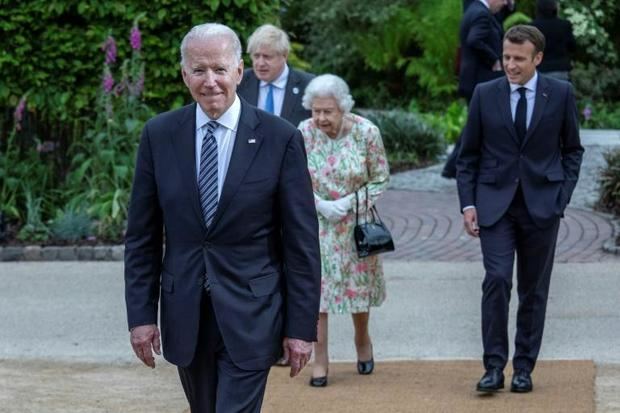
<point x="340" y="167"/>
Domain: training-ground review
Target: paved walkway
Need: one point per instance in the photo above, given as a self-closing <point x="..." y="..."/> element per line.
<point x="421" y="210"/>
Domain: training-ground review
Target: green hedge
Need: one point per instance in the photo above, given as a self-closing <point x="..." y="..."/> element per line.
<point x="52" y="49"/>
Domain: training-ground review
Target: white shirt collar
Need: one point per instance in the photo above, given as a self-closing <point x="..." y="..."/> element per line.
<point x="486" y="4"/>
<point x="229" y="119"/>
<point x="529" y="85"/>
<point x="280" y="81"/>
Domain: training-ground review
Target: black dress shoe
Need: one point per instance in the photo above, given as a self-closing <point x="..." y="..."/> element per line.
<point x="492" y="381"/>
<point x="521" y="382"/>
<point x="318" y="381"/>
<point x="365" y="367"/>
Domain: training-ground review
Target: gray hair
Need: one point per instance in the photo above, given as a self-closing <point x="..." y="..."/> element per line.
<point x="328" y="86"/>
<point x="269" y="36"/>
<point x="208" y="31"/>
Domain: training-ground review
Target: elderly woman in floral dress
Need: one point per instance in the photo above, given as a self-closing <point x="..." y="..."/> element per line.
<point x="345" y="156"/>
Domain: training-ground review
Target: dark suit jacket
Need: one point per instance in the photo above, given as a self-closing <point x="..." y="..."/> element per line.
<point x="261" y="251"/>
<point x="559" y="43"/>
<point x="492" y="164"/>
<point x="292" y="110"/>
<point x="481" y="46"/>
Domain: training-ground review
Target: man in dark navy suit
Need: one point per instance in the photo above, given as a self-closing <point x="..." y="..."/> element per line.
<point x="480" y="56"/>
<point x="226" y="187"/>
<point x="271" y="84"/>
<point x="517" y="169"/>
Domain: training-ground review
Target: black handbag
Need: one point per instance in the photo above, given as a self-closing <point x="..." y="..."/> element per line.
<point x="371" y="237"/>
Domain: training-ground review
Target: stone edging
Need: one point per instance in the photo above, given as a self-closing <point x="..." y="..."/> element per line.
<point x="69" y="253"/>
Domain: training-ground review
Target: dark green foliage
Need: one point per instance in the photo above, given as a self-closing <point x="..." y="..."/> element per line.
<point x="387" y="52"/>
<point x="71" y="226"/>
<point x="596" y="82"/>
<point x="409" y="141"/>
<point x="609" y="200"/>
<point x="52" y="48"/>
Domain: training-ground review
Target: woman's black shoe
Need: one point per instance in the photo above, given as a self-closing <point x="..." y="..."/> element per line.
<point x="365" y="367"/>
<point x="318" y="381"/>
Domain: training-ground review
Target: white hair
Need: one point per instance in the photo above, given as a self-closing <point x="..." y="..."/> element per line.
<point x="328" y="86"/>
<point x="210" y="30"/>
<point x="269" y="36"/>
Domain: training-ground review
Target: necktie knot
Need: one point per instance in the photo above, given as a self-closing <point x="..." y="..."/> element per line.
<point x="522" y="91"/>
<point x="210" y="127"/>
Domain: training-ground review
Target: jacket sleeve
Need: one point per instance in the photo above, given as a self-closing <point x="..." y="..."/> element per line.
<point x="143" y="241"/>
<point x="300" y="243"/>
<point x="469" y="155"/>
<point x="477" y="39"/>
<point x="572" y="151"/>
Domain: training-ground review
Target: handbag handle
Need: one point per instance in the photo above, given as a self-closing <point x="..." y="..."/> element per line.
<point x="373" y="210"/>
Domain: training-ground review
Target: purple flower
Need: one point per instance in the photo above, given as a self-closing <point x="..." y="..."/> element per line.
<point x="109" y="47"/>
<point x="19" y="113"/>
<point x="108" y="82"/>
<point x="135" y="38"/>
<point x="587" y="112"/>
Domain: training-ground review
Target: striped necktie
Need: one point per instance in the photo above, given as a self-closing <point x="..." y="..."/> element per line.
<point x="207" y="177"/>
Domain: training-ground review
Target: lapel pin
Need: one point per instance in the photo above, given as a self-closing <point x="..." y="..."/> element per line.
<point x="295" y="91"/>
<point x="545" y="95"/>
<point x="252" y="140"/>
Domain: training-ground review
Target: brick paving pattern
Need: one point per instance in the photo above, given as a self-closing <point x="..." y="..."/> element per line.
<point x="427" y="226"/>
<point x="422" y="211"/>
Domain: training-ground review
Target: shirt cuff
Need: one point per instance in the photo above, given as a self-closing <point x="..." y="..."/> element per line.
<point x="468" y="207"/>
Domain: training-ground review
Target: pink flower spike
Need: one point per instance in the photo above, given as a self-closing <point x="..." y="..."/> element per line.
<point x="110" y="50"/>
<point x="587" y="113"/>
<point x="135" y="38"/>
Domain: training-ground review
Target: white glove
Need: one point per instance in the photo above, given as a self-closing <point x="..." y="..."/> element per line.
<point x="334" y="211"/>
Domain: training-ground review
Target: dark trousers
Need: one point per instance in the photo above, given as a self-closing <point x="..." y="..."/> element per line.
<point x="535" y="249"/>
<point x="212" y="382"/>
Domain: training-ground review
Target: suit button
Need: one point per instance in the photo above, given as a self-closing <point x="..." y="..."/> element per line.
<point x="517" y="180"/>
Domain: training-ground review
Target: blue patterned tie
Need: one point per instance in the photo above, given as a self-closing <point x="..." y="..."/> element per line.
<point x="269" y="101"/>
<point x="207" y="178"/>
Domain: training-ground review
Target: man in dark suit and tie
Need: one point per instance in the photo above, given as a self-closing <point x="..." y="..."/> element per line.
<point x="481" y="50"/>
<point x="517" y="169"/>
<point x="271" y="84"/>
<point x="225" y="186"/>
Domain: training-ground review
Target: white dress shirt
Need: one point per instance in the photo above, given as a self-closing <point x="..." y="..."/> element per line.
<point x="279" y="87"/>
<point x="225" y="135"/>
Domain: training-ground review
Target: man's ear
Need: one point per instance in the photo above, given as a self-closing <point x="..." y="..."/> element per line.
<point x="185" y="76"/>
<point x="538" y="58"/>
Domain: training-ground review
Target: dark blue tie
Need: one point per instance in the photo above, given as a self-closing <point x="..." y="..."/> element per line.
<point x="521" y="115"/>
<point x="207" y="177"/>
<point x="269" y="101"/>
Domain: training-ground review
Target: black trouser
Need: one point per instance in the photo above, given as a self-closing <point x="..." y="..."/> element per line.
<point x="212" y="382"/>
<point x="535" y="248"/>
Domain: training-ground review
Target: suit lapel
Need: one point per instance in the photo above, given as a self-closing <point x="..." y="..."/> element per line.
<point x="247" y="143"/>
<point x="543" y="92"/>
<point x="184" y="144"/>
<point x="503" y="102"/>
<point x="292" y="89"/>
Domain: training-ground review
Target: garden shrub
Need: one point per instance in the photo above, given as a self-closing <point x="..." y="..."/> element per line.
<point x="609" y="199"/>
<point x="409" y="140"/>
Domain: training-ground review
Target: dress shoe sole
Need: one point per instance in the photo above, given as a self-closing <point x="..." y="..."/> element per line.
<point x="520" y="390"/>
<point x="489" y="389"/>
